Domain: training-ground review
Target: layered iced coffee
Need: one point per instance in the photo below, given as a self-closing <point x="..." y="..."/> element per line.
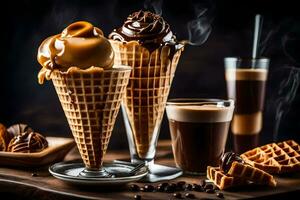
<point x="199" y="129"/>
<point x="246" y="84"/>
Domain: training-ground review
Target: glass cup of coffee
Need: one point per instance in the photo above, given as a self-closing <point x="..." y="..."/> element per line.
<point x="246" y="85"/>
<point x="199" y="129"/>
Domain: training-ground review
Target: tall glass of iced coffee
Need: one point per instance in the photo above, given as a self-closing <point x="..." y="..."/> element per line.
<point x="246" y="84"/>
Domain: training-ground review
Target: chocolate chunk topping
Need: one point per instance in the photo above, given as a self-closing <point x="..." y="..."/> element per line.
<point x="227" y="159"/>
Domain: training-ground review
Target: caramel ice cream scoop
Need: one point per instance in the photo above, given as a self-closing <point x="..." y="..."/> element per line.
<point x="80" y="45"/>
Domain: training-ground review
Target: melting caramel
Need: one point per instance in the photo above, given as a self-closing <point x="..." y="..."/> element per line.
<point x="80" y="45"/>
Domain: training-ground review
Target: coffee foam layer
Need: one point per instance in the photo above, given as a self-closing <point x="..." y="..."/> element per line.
<point x="246" y="74"/>
<point x="200" y="113"/>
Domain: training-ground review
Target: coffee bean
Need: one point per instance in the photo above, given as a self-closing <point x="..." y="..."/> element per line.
<point x="196" y="187"/>
<point x="134" y="188"/>
<point x="208" y="186"/>
<point x="209" y="191"/>
<point x="202" y="182"/>
<point x="177" y="195"/>
<point x="180" y="185"/>
<point x="220" y="195"/>
<point x="137" y="197"/>
<point x="188" y="187"/>
<point x="163" y="184"/>
<point x="34" y="174"/>
<point x="169" y="189"/>
<point x="189" y="195"/>
<point x="148" y="188"/>
<point x="142" y="189"/>
<point x="160" y="188"/>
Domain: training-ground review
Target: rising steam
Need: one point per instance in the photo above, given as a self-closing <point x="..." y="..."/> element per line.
<point x="154" y="5"/>
<point x="199" y="28"/>
<point x="286" y="94"/>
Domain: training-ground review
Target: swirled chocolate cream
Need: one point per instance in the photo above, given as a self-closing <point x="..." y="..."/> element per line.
<point x="148" y="29"/>
<point x="80" y="46"/>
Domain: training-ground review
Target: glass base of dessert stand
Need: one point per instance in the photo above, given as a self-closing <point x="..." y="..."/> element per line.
<point x="156" y="172"/>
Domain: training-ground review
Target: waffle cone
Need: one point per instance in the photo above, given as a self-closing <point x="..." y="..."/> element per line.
<point x="148" y="89"/>
<point x="91" y="101"/>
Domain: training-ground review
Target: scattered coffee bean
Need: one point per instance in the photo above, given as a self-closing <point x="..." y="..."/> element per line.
<point x="196" y="187"/>
<point x="209" y="190"/>
<point x="188" y="187"/>
<point x="34" y="174"/>
<point x="189" y="195"/>
<point x="220" y="195"/>
<point x="208" y="186"/>
<point x="177" y="195"/>
<point x="142" y="189"/>
<point x="134" y="188"/>
<point x="137" y="197"/>
<point x="160" y="188"/>
<point x="169" y="189"/>
<point x="202" y="182"/>
<point x="163" y="184"/>
<point x="148" y="188"/>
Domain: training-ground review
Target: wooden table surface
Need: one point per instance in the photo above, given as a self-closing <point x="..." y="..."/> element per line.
<point x="19" y="183"/>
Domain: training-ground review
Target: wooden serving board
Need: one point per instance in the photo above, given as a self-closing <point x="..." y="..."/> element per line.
<point x="21" y="183"/>
<point x="57" y="149"/>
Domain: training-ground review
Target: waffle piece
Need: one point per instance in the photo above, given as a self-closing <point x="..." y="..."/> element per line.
<point x="283" y="157"/>
<point x="223" y="181"/>
<point x="147" y="91"/>
<point x="91" y="101"/>
<point x="251" y="173"/>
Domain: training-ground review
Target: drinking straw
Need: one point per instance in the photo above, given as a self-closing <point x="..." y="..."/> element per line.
<point x="257" y="33"/>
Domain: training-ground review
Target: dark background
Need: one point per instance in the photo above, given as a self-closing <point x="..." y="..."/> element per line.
<point x="200" y="72"/>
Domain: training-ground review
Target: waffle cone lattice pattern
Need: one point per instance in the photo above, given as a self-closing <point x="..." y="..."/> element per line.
<point x="276" y="158"/>
<point x="91" y="102"/>
<point x="148" y="88"/>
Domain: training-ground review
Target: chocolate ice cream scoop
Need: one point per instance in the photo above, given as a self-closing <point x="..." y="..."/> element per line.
<point x="27" y="142"/>
<point x="227" y="159"/>
<point x="149" y="29"/>
<point x="80" y="45"/>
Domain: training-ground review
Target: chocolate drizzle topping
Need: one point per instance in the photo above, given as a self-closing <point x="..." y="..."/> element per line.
<point x="227" y="159"/>
<point x="148" y="29"/>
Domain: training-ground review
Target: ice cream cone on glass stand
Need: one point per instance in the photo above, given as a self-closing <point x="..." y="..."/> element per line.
<point x="151" y="50"/>
<point x="90" y="96"/>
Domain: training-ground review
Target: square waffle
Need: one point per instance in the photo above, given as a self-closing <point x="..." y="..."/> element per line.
<point x="275" y="158"/>
<point x="223" y="181"/>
